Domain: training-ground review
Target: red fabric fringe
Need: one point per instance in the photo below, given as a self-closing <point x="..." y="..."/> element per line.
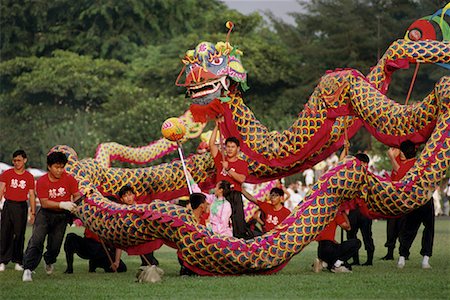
<point x="204" y="113"/>
<point x="145" y="248"/>
<point x="390" y="67"/>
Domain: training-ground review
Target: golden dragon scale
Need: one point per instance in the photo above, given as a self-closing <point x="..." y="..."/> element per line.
<point x="345" y="97"/>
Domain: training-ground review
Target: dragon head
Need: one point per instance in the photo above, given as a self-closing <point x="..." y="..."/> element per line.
<point x="433" y="27"/>
<point x="210" y="69"/>
<point x="211" y="72"/>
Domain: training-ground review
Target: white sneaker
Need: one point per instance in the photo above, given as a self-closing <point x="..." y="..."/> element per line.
<point x="2" y="267"/>
<point x="426" y="266"/>
<point x="49" y="269"/>
<point x="18" y="267"/>
<point x="341" y="269"/>
<point x="401" y="262"/>
<point x="27" y="276"/>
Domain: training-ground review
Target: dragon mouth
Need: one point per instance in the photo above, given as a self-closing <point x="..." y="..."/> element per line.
<point x="206" y="92"/>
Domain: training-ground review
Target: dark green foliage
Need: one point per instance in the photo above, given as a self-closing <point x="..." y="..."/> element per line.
<point x="106" y="29"/>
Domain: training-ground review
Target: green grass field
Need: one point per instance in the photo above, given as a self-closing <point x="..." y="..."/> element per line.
<point x="296" y="280"/>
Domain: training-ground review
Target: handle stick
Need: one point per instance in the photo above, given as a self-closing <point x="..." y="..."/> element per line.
<point x="180" y="151"/>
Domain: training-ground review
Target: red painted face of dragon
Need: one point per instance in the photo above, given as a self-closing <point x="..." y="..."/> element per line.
<point x="433" y="27"/>
<point x="211" y="71"/>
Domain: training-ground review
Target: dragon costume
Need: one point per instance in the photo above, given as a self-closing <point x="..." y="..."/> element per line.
<point x="343" y="101"/>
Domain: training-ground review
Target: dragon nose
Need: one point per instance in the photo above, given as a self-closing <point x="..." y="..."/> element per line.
<point x="195" y="75"/>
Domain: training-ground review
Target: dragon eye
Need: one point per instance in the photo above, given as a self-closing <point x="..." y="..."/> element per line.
<point x="217" y="61"/>
<point x="415" y="34"/>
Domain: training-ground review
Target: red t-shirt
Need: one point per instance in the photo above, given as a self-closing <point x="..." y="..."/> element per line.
<point x="91" y="235"/>
<point x="17" y="186"/>
<point x="404" y="166"/>
<point x="329" y="232"/>
<point x="58" y="191"/>
<point x="273" y="217"/>
<point x="239" y="166"/>
<point x="203" y="218"/>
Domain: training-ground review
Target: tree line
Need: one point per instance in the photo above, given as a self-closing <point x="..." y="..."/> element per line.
<point x="85" y="72"/>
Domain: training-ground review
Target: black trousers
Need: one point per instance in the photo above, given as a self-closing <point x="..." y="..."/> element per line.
<point x="92" y="250"/>
<point x="423" y="215"/>
<point x="241" y="229"/>
<point x="393" y="228"/>
<point x="330" y="251"/>
<point x="12" y="231"/>
<point x="149" y="258"/>
<point x="360" y="222"/>
<point x="51" y="225"/>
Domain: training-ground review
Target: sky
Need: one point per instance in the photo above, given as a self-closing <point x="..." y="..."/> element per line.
<point x="280" y="8"/>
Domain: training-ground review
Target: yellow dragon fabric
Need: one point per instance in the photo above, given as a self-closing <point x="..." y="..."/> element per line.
<point x="343" y="100"/>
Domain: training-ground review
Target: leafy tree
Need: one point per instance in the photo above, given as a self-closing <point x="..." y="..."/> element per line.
<point x="50" y="100"/>
<point x="77" y="81"/>
<point x="105" y="29"/>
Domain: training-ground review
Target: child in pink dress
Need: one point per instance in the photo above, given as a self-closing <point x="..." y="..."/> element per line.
<point x="220" y="208"/>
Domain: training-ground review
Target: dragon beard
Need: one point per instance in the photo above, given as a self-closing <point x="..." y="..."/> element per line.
<point x="203" y="113"/>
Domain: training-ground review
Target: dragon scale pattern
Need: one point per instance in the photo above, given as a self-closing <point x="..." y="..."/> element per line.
<point x="418" y="51"/>
<point x="344" y="100"/>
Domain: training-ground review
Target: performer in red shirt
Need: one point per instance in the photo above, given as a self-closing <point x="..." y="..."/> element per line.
<point x="56" y="191"/>
<point x="335" y="255"/>
<point x="17" y="186"/>
<point x="274" y="212"/>
<point x="103" y="256"/>
<point x="200" y="207"/>
<point x="200" y="211"/>
<point x="231" y="168"/>
<point x="360" y="222"/>
<point x="90" y="247"/>
<point x="401" y="164"/>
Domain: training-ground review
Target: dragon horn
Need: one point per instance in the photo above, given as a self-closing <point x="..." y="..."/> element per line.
<point x="230" y="27"/>
<point x="444" y="10"/>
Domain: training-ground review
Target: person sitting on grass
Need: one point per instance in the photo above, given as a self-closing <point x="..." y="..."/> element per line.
<point x="95" y="250"/>
<point x="335" y="255"/>
<point x="128" y="196"/>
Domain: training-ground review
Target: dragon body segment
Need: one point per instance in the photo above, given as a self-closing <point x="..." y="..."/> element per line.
<point x="108" y="152"/>
<point x="343" y="101"/>
<point x="210" y="254"/>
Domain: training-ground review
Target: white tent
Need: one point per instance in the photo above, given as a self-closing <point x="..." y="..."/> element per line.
<point x="4" y="167"/>
<point x="36" y="172"/>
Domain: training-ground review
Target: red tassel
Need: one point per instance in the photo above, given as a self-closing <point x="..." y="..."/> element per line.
<point x="204" y="113"/>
